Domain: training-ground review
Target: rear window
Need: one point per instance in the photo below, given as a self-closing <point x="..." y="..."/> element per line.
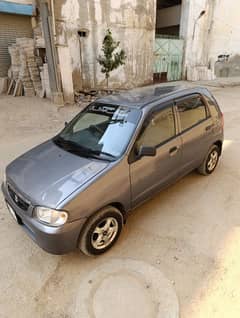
<point x="212" y="107"/>
<point x="191" y="111"/>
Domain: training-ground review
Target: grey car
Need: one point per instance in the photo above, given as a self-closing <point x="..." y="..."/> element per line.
<point x="77" y="189"/>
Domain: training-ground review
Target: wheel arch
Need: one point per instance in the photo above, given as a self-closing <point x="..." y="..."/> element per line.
<point x="116" y="205"/>
<point x="219" y="143"/>
<point x="85" y="227"/>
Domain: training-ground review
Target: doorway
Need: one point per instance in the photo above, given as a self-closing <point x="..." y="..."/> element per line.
<point x="168" y="51"/>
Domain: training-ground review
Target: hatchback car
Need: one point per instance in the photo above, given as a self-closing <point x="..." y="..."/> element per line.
<point x="77" y="189"/>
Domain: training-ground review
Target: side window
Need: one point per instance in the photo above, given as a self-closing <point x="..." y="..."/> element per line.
<point x="160" y="129"/>
<point x="212" y="106"/>
<point x="191" y="112"/>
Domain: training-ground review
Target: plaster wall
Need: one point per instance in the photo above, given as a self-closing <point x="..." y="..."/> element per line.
<point x="225" y="39"/>
<point x="195" y="30"/>
<point x="214" y="33"/>
<point x="131" y="22"/>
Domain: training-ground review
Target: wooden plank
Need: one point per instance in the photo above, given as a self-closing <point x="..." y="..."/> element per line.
<point x="18" y="88"/>
<point x="11" y="87"/>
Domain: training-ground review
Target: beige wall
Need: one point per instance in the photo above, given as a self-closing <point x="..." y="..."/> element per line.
<point x="225" y="28"/>
<point x="132" y="23"/>
<point x="216" y="32"/>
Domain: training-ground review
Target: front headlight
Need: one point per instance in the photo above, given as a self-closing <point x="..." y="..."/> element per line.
<point x="51" y="217"/>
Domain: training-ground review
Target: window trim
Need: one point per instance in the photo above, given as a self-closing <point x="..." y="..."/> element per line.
<point x="157" y="109"/>
<point x="187" y="97"/>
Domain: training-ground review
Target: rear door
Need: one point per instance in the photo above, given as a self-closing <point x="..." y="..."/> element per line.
<point x="150" y="174"/>
<point x="196" y="127"/>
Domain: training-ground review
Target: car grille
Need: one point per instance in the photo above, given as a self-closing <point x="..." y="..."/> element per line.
<point x="22" y="204"/>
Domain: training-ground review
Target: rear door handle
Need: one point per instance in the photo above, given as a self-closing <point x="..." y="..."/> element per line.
<point x="173" y="151"/>
<point x="209" y="127"/>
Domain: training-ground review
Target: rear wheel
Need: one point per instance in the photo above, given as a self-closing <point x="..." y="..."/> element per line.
<point x="101" y="231"/>
<point x="210" y="162"/>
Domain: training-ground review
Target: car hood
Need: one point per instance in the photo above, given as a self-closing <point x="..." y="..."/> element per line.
<point x="47" y="174"/>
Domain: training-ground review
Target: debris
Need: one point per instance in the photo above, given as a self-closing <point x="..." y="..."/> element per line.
<point x="87" y="96"/>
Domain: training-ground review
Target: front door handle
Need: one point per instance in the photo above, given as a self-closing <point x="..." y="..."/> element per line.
<point x="173" y="151"/>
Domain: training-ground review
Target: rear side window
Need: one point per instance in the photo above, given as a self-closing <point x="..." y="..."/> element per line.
<point x="212" y="107"/>
<point x="160" y="129"/>
<point x="191" y="111"/>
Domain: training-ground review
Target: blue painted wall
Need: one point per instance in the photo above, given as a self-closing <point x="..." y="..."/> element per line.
<point x="16" y="8"/>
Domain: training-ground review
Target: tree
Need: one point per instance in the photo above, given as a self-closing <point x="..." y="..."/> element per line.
<point x="112" y="56"/>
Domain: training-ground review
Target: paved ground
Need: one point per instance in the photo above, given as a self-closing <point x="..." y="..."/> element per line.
<point x="189" y="234"/>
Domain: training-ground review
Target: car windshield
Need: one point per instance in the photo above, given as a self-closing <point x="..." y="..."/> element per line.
<point x="101" y="130"/>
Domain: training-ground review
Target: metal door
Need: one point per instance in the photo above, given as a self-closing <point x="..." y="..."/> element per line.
<point x="168" y="58"/>
<point x="12" y="26"/>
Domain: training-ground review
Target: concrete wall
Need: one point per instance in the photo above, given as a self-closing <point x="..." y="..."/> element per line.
<point x="132" y="23"/>
<point x="225" y="39"/>
<point x="215" y="33"/>
<point x="195" y="30"/>
<point x="168" y="16"/>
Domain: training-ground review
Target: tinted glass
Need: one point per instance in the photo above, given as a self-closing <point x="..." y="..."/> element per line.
<point x="191" y="112"/>
<point x="103" y="130"/>
<point x="160" y="129"/>
<point x="212" y="106"/>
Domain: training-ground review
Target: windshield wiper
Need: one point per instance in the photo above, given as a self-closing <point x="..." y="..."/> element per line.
<point x="71" y="146"/>
<point x="99" y="152"/>
<point x="79" y="149"/>
<point x="63" y="142"/>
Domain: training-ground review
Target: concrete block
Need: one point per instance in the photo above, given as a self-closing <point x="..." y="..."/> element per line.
<point x="3" y="85"/>
<point x="57" y="98"/>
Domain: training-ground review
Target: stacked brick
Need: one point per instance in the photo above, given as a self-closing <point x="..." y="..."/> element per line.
<point x="24" y="69"/>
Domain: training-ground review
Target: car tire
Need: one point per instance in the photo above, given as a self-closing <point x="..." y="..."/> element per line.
<point x="101" y="231"/>
<point x="210" y="162"/>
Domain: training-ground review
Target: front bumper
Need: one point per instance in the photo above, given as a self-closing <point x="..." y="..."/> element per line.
<point x="54" y="240"/>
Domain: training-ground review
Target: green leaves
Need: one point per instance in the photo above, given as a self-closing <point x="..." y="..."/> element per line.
<point x="112" y="58"/>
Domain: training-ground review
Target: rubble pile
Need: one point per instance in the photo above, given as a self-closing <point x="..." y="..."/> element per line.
<point x="87" y="96"/>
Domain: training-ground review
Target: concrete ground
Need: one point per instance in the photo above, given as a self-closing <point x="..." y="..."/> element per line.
<point x="187" y="238"/>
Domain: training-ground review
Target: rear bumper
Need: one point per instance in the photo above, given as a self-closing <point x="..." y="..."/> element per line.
<point x="54" y="240"/>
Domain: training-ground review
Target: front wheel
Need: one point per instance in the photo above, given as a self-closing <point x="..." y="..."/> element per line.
<point x="101" y="231"/>
<point x="210" y="162"/>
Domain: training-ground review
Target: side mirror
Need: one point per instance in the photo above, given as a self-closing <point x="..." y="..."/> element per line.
<point x="65" y="124"/>
<point x="146" y="151"/>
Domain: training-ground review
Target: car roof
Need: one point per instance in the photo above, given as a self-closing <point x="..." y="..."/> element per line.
<point x="145" y="96"/>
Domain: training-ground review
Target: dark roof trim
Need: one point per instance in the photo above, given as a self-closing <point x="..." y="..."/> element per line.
<point x="16" y="8"/>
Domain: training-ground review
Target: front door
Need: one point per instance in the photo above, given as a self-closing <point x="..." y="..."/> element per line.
<point x="150" y="174"/>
